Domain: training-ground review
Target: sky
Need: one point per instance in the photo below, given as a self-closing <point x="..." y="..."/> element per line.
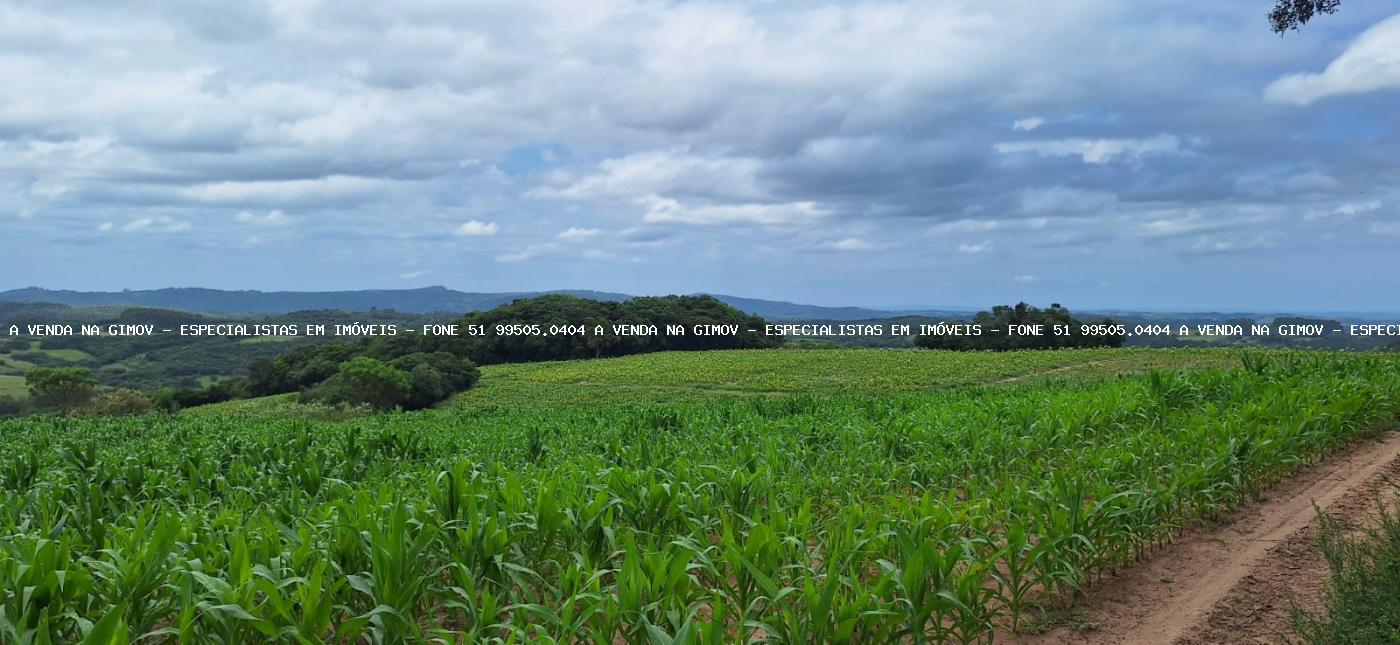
<point x="1104" y="154"/>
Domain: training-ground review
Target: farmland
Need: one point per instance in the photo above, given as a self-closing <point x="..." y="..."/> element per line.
<point x="792" y="496"/>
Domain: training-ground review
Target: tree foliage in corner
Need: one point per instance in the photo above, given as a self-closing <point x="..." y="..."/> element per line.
<point x="1289" y="15"/>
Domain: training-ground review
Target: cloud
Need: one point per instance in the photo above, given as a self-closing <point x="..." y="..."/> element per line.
<point x="662" y="172"/>
<point x="576" y="233"/>
<point x="1370" y="64"/>
<point x="1213" y="246"/>
<point x="695" y="127"/>
<point x="271" y="218"/>
<point x="973" y="249"/>
<point x="986" y="225"/>
<point x="529" y="253"/>
<point x="1385" y="228"/>
<point x="155" y="224"/>
<point x="476" y="228"/>
<point x="1352" y="209"/>
<point x="1027" y="124"/>
<point x="1194" y="222"/>
<point x="665" y="210"/>
<point x="848" y="245"/>
<point x="1026" y="278"/>
<point x="1097" y="151"/>
<point x="338" y="189"/>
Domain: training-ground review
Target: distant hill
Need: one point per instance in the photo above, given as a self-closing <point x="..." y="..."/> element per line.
<point x="216" y="301"/>
<point x="425" y="300"/>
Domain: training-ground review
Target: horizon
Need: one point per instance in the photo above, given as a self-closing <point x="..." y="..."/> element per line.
<point x="1156" y="157"/>
<point x="906" y="309"/>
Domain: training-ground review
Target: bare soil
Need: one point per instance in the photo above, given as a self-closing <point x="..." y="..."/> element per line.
<point x="1236" y="581"/>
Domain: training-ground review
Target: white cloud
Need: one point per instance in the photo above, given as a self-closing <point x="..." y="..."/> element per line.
<point x="973" y="249"/>
<point x="333" y="189"/>
<point x="665" y="210"/>
<point x="1026" y="278"/>
<point x="662" y="173"/>
<point x="1194" y="223"/>
<point x="413" y="274"/>
<point x="1371" y="63"/>
<point x="271" y="218"/>
<point x="987" y="225"/>
<point x="1213" y="245"/>
<point x="848" y="245"/>
<point x="1386" y="228"/>
<point x="156" y="224"/>
<point x="1097" y="151"/>
<point x="476" y="228"/>
<point x="576" y="233"/>
<point x="1352" y="209"/>
<point x="1028" y="124"/>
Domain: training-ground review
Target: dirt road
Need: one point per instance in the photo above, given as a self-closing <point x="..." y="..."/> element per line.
<point x="1236" y="582"/>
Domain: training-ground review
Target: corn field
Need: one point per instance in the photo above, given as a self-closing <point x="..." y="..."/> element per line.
<point x="921" y="518"/>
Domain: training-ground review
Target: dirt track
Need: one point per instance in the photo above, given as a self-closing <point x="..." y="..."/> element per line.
<point x="1237" y="581"/>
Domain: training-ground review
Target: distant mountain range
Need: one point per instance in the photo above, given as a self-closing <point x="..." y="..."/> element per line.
<point x="443" y="300"/>
<point x="425" y="300"/>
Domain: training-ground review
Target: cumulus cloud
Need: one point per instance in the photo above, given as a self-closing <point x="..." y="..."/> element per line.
<point x="1027" y="124"/>
<point x="576" y="233"/>
<point x="1352" y="209"/>
<point x="1371" y="63"/>
<point x="848" y="245"/>
<point x="270" y="218"/>
<point x="973" y="249"/>
<point x="476" y="228"/>
<point x="1097" y="151"/>
<point x="666" y="210"/>
<point x="371" y="128"/>
<point x="153" y="224"/>
<point x="1193" y="222"/>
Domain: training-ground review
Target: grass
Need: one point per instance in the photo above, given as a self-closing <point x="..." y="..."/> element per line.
<point x="825" y="496"/>
<point x="70" y="355"/>
<point x="11" y="385"/>
<point x="13" y="366"/>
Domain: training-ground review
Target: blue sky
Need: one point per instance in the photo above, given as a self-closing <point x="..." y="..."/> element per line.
<point x="1154" y="154"/>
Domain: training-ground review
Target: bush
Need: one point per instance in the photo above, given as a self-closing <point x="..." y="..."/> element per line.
<point x="11" y="406"/>
<point x="434" y="377"/>
<point x="172" y="399"/>
<point x="1363" y="600"/>
<point x="364" y="381"/>
<point x="63" y="388"/>
<point x="122" y="402"/>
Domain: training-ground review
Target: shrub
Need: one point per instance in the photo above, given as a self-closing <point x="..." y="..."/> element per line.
<point x="435" y="376"/>
<point x="364" y="381"/>
<point x="122" y="402"/>
<point x="64" y="388"/>
<point x="1363" y="599"/>
<point x="10" y="406"/>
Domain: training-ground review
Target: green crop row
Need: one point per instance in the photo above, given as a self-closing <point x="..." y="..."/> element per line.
<point x="919" y="517"/>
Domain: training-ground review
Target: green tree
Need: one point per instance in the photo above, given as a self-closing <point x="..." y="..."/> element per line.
<point x="364" y="380"/>
<point x="65" y="388"/>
